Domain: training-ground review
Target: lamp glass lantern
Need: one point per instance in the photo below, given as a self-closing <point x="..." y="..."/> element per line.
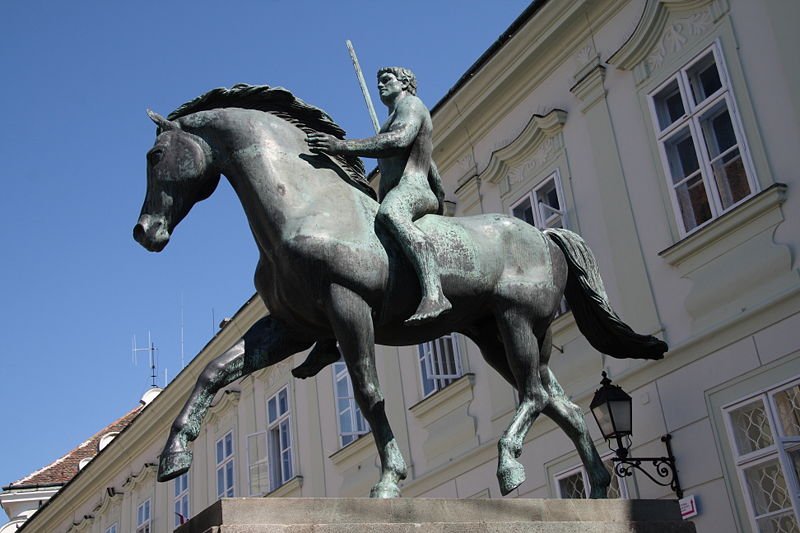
<point x="611" y="408"/>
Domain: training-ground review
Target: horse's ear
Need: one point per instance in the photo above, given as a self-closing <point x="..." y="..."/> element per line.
<point x="162" y="123"/>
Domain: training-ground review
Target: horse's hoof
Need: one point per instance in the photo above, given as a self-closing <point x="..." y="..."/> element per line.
<point x="385" y="490"/>
<point x="510" y="477"/>
<point x="173" y="464"/>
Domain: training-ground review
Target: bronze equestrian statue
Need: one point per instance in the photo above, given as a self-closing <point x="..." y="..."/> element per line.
<point x="329" y="269"/>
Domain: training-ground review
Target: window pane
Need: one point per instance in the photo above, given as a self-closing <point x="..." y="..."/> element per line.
<point x="718" y="130"/>
<point x="572" y="486"/>
<point x="788" y="402"/>
<point x="283" y="402"/>
<point x="704" y="78"/>
<point x="524" y="211"/>
<point x="669" y="105"/>
<point x="693" y="202"/>
<point x="731" y="178"/>
<point x="682" y="156"/>
<point x="272" y="408"/>
<point x="751" y="428"/>
<point x="228" y="445"/>
<point x="287" y="466"/>
<point x="219" y="452"/>
<point x="767" y="488"/>
<point x="782" y="523"/>
<point x="342" y="390"/>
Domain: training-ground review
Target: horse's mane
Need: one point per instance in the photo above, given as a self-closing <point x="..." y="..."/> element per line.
<point x="282" y="103"/>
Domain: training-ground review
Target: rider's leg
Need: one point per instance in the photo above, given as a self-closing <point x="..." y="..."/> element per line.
<point x="409" y="200"/>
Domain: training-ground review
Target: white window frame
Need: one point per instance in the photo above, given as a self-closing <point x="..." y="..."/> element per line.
<point x="622" y="483"/>
<point x="180" y="503"/>
<point x="279" y="441"/>
<point x="780" y="447"/>
<point x="112" y="528"/>
<point x="144" y="516"/>
<point x="259" y="463"/>
<point x="691" y="119"/>
<point x="346" y="406"/>
<point x="432" y="356"/>
<point x="545" y="216"/>
<point x="226" y="464"/>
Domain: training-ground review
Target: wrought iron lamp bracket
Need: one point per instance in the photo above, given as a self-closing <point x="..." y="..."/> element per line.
<point x="665" y="475"/>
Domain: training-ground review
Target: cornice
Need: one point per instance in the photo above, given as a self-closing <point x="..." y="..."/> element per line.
<point x="525" y="60"/>
<point x="147" y="471"/>
<point x="665" y="26"/>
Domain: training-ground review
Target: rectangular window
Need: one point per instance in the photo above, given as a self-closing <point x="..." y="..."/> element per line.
<point x="181" y="501"/>
<point x="112" y="528"/>
<point x="440" y="363"/>
<point x="351" y="422"/>
<point x="279" y="439"/>
<point x="701" y="146"/>
<point x="543" y="207"/>
<point x="143" y="517"/>
<point x="225" y="466"/>
<point x="574" y="483"/>
<point x="258" y="466"/>
<point x="764" y="432"/>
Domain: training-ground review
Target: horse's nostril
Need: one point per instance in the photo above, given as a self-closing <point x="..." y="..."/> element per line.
<point x="138" y="233"/>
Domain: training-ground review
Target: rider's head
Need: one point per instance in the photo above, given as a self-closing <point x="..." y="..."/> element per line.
<point x="404" y="75"/>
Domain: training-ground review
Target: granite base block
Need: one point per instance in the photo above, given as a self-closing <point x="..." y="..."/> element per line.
<point x="405" y="515"/>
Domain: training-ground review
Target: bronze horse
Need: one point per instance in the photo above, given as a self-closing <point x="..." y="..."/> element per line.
<point x="327" y="270"/>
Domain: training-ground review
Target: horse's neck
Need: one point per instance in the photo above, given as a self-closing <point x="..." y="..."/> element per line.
<point x="278" y="181"/>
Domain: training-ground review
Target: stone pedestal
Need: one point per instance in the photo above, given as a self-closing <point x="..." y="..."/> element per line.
<point x="422" y="515"/>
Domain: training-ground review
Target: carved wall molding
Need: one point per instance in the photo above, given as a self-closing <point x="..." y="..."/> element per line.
<point x="538" y="143"/>
<point x="147" y="471"/>
<point x="665" y="29"/>
<point x="227" y="400"/>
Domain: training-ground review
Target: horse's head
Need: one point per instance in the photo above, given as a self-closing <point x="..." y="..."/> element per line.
<point x="180" y="173"/>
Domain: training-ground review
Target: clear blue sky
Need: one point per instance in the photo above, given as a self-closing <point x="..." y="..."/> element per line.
<point x="76" y="80"/>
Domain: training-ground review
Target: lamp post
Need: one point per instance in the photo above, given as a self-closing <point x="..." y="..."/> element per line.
<point x="611" y="408"/>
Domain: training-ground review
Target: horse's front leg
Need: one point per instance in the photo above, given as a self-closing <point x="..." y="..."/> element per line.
<point x="351" y="319"/>
<point x="267" y="342"/>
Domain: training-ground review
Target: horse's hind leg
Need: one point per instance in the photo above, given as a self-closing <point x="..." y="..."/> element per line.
<point x="522" y="354"/>
<point x="265" y="343"/>
<point x="570" y="418"/>
<point x="351" y="319"/>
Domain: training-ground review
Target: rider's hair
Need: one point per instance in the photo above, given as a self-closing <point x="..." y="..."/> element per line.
<point x="402" y="74"/>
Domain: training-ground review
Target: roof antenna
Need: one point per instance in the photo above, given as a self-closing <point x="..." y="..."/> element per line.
<point x="151" y="350"/>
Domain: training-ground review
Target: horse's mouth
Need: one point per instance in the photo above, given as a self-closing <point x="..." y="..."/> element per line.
<point x="152" y="234"/>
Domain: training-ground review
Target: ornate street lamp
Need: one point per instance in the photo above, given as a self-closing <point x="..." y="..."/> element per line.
<point x="611" y="408"/>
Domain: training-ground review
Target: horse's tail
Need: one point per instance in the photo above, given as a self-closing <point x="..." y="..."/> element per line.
<point x="589" y="303"/>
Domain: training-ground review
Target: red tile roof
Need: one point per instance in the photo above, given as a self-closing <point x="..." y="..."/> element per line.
<point x="60" y="471"/>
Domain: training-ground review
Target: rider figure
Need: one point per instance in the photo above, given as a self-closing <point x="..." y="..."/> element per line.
<point x="403" y="148"/>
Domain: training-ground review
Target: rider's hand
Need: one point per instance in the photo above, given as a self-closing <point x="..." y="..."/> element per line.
<point x="322" y="142"/>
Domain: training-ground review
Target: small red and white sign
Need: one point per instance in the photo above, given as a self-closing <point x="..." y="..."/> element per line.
<point x="688" y="507"/>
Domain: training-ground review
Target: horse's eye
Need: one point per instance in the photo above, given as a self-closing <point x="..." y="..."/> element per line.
<point x="154" y="157"/>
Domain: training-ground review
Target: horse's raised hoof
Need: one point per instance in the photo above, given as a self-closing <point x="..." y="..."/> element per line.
<point x="324" y="353"/>
<point x="428" y="310"/>
<point x="173" y="464"/>
<point x="510" y="476"/>
<point x="385" y="490"/>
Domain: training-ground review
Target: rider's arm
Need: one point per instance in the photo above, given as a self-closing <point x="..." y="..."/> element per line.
<point x="402" y="133"/>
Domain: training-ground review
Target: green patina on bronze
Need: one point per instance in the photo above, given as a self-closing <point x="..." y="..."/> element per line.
<point x="337" y="266"/>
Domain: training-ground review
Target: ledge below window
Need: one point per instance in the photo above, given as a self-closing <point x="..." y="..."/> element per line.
<point x="727" y="231"/>
<point x="442" y="401"/>
<point x="294" y="484"/>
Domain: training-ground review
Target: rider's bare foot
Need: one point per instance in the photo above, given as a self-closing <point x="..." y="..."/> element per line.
<point x="429" y="309"/>
<point x="323" y="354"/>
